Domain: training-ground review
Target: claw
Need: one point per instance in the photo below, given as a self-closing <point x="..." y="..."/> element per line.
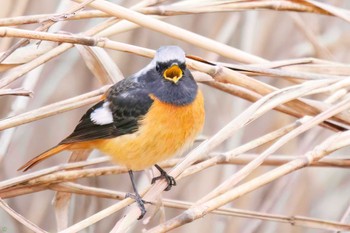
<point x="140" y="203"/>
<point x="163" y="175"/>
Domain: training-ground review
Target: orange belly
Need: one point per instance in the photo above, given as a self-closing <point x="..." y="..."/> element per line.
<point x="166" y="131"/>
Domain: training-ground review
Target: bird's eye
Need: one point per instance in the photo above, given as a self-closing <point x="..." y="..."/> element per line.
<point x="158" y="67"/>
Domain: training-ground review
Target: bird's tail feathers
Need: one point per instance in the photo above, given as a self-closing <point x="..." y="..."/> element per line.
<point x="43" y="156"/>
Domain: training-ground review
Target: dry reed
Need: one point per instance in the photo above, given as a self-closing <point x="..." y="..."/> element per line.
<point x="277" y="131"/>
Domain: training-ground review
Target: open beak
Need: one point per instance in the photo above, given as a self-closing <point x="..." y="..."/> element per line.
<point x="173" y="73"/>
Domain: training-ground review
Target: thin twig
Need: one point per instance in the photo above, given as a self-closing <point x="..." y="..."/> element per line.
<point x="16" y="92"/>
<point x="175" y="32"/>
<point x="333" y="143"/>
<point x="45" y="26"/>
<point x="232" y="212"/>
<point x="249" y="168"/>
<point x="29" y="19"/>
<point x="20" y="218"/>
<point x="52" y="109"/>
<point x="220" y="73"/>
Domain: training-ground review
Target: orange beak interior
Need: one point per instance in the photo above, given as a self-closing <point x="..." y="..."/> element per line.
<point x="173" y="73"/>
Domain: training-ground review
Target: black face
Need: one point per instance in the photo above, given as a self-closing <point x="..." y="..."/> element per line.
<point x="176" y="84"/>
<point x="162" y="66"/>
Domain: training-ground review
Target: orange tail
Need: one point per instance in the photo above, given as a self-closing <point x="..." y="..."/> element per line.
<point x="43" y="156"/>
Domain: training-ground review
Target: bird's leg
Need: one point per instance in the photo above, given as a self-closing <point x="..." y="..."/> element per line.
<point x="163" y="175"/>
<point x="136" y="196"/>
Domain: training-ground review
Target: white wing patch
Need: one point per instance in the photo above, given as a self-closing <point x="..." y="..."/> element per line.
<point x="102" y="115"/>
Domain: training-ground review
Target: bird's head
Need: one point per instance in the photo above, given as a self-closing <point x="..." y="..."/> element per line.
<point x="170" y="63"/>
<point x="167" y="77"/>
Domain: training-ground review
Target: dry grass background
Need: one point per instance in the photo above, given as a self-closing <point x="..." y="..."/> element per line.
<point x="274" y="112"/>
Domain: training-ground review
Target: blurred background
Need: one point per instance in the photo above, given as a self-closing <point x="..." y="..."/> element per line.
<point x="316" y="192"/>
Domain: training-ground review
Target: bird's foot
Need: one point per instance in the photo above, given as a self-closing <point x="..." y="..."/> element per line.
<point x="140" y="203"/>
<point x="163" y="175"/>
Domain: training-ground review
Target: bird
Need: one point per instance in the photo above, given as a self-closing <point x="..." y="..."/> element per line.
<point x="142" y="120"/>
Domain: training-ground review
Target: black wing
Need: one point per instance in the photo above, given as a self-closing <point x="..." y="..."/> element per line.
<point x="128" y="102"/>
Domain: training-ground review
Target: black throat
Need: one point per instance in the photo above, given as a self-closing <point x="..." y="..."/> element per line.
<point x="182" y="93"/>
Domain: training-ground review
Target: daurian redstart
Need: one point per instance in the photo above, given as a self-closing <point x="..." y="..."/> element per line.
<point x="142" y="120"/>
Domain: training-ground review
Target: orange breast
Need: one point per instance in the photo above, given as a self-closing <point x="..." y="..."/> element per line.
<point x="165" y="131"/>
